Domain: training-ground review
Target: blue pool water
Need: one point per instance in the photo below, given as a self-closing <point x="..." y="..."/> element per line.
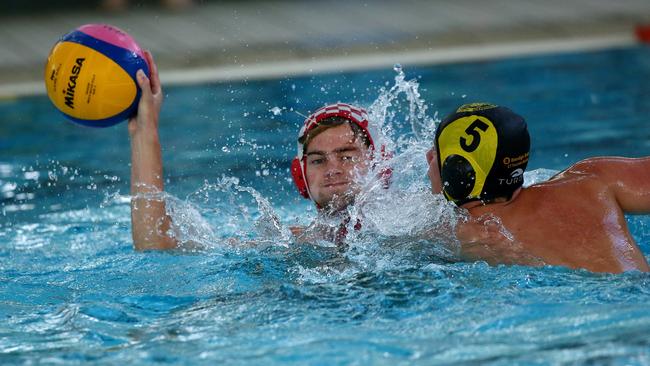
<point x="72" y="290"/>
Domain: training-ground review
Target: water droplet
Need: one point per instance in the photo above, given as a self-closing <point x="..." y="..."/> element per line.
<point x="276" y="111"/>
<point x="397" y="67"/>
<point x="32" y="175"/>
<point x="225" y="149"/>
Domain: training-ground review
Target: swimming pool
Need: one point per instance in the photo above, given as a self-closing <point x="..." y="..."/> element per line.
<point x="74" y="291"/>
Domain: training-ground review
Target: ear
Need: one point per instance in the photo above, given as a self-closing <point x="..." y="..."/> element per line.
<point x="298" y="177"/>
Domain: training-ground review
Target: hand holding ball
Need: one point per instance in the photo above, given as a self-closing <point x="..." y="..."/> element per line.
<point x="90" y="75"/>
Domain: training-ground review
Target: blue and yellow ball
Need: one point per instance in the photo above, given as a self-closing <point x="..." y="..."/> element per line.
<point x="90" y="75"/>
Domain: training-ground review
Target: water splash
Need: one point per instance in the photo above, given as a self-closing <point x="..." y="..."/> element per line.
<point x="404" y="212"/>
<point x="405" y="217"/>
<point x="402" y="222"/>
<point x="225" y="212"/>
<point x="538" y="176"/>
<point x="385" y="111"/>
<point x="406" y="206"/>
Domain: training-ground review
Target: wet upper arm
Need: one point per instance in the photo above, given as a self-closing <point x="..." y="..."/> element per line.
<point x="628" y="179"/>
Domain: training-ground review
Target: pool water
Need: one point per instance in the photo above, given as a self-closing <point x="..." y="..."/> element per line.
<point x="74" y="291"/>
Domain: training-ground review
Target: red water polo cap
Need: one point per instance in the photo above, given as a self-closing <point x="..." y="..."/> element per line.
<point x="357" y="115"/>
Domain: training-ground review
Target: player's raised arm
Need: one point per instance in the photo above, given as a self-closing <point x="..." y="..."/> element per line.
<point x="149" y="221"/>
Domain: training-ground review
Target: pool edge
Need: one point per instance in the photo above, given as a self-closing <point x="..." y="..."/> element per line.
<point x="342" y="63"/>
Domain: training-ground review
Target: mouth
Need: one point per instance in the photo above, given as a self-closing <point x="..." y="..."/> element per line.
<point x="336" y="184"/>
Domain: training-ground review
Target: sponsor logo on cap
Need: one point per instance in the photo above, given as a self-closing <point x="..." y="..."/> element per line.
<point x="511" y="162"/>
<point x="516" y="177"/>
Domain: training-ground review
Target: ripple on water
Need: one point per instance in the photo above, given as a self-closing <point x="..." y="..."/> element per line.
<point x="75" y="292"/>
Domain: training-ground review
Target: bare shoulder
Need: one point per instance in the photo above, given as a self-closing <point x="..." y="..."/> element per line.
<point x="589" y="166"/>
<point x="583" y="170"/>
<point x="601" y="167"/>
<point x="625" y="179"/>
<point x="613" y="168"/>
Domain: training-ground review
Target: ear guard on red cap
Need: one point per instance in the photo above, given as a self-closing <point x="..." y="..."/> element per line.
<point x="297" y="173"/>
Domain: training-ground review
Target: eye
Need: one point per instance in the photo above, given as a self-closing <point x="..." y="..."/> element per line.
<point x="349" y="157"/>
<point x="316" y="161"/>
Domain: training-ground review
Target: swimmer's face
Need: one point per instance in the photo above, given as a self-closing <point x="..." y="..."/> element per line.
<point x="335" y="157"/>
<point x="434" y="171"/>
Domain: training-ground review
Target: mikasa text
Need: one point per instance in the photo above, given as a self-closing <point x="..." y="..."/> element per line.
<point x="72" y="83"/>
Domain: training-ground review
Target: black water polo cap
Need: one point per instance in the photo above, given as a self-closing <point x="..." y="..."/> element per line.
<point x="483" y="151"/>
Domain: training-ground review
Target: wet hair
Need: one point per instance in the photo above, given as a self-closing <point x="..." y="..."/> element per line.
<point x="335" y="121"/>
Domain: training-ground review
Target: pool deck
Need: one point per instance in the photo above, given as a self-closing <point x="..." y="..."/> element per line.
<point x="258" y="39"/>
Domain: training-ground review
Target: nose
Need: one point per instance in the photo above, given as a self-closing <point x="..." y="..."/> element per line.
<point x="334" y="167"/>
